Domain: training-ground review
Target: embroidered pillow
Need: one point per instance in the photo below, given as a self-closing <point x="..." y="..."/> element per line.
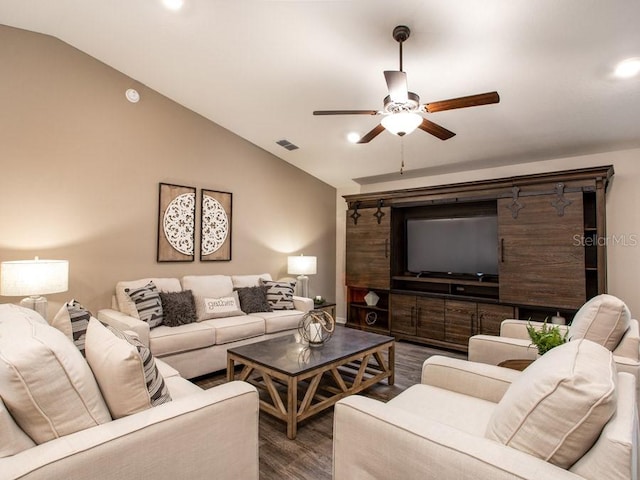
<point x="72" y="320"/>
<point x="254" y="299"/>
<point x="125" y="371"/>
<point x="220" y="307"/>
<point x="280" y="294"/>
<point x="178" y="308"/>
<point x="148" y="303"/>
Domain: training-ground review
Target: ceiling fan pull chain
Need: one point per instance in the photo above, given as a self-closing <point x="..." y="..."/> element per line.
<point x="401" y="155"/>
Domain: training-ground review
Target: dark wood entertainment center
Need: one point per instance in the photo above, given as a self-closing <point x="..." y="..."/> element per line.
<point x="550" y="248"/>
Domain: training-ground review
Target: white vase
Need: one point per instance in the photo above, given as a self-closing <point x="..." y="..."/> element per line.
<point x="371" y="299"/>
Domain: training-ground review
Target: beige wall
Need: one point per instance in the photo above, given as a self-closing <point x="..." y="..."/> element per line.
<point x="623" y="213"/>
<point x="80" y="167"/>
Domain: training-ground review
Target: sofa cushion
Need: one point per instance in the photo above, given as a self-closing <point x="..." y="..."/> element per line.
<point x="125" y="370"/>
<point x="603" y="320"/>
<point x="231" y="329"/>
<point x="211" y="307"/>
<point x="45" y="383"/>
<point x="72" y="320"/>
<point x="165" y="340"/>
<point x="128" y="306"/>
<point x="12" y="439"/>
<point x="280" y="320"/>
<point x="208" y="285"/>
<point x="178" y="308"/>
<point x="557" y="407"/>
<point x="463" y="412"/>
<point x="242" y="281"/>
<point x="280" y="294"/>
<point x="148" y="303"/>
<point x="253" y="299"/>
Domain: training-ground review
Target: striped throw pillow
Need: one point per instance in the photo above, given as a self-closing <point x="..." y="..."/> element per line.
<point x="280" y="294"/>
<point x="72" y="319"/>
<point x="148" y="303"/>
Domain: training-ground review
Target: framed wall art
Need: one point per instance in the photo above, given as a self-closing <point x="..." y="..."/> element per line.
<point x="215" y="240"/>
<point x="176" y="223"/>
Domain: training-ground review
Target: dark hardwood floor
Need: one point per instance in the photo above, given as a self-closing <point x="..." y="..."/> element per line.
<point x="309" y="456"/>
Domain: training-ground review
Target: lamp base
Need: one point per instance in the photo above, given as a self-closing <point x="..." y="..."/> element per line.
<point x="37" y="303"/>
<point x="302" y="286"/>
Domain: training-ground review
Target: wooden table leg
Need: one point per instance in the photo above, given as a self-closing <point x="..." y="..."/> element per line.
<point x="292" y="407"/>
<point x="392" y="363"/>
<point x="231" y="374"/>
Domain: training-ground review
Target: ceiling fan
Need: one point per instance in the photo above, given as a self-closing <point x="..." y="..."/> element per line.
<point x="402" y="108"/>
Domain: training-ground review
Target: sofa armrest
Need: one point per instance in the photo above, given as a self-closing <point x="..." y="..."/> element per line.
<point x="494" y="350"/>
<point x="302" y="303"/>
<point x="211" y="434"/>
<point x="518" y="328"/>
<point x="629" y="345"/>
<point x="373" y="440"/>
<point x="474" y="379"/>
<point x="122" y="321"/>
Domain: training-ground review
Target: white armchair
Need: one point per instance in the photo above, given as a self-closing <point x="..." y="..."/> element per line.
<point x="439" y="428"/>
<point x="604" y="319"/>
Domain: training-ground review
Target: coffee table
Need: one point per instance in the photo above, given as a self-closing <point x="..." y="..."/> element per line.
<point x="298" y="381"/>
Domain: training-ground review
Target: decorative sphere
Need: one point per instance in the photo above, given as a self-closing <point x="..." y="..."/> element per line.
<point x="316" y="327"/>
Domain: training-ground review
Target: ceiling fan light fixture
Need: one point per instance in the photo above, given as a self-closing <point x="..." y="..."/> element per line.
<point x="401" y="123"/>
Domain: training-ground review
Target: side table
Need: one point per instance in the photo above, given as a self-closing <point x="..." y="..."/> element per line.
<point x="328" y="307"/>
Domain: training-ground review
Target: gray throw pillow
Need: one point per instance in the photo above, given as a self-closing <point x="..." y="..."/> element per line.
<point x="178" y="308"/>
<point x="254" y="299"/>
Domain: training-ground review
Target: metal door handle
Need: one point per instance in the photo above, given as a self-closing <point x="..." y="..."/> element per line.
<point x="386" y="248"/>
<point x="413" y="311"/>
<point x="502" y="250"/>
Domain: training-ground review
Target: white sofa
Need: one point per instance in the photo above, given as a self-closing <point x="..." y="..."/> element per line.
<point x="439" y="429"/>
<point x="178" y="439"/>
<point x="201" y="347"/>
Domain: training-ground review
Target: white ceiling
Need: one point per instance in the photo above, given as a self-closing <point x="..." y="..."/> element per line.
<point x="260" y="67"/>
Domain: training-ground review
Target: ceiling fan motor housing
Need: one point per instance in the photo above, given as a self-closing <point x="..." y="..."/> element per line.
<point x="411" y="105"/>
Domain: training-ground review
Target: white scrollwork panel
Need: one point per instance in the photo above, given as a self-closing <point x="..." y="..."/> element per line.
<point x="215" y="225"/>
<point x="179" y="222"/>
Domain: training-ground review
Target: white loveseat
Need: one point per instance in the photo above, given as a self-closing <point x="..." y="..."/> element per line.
<point x="198" y="434"/>
<point x="201" y="347"/>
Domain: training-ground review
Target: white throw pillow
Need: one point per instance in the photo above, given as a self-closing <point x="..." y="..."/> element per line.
<point x="125" y="370"/>
<point x="603" y="320"/>
<point x="12" y="439"/>
<point x="557" y="407"/>
<point x="210" y="307"/>
<point x="45" y="383"/>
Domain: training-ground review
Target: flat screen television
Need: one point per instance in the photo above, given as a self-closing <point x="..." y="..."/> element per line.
<point x="466" y="245"/>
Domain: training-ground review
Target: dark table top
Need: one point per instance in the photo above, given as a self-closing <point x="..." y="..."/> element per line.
<point x="287" y="356"/>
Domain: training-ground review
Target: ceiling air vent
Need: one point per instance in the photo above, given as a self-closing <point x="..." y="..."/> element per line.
<point x="287" y="144"/>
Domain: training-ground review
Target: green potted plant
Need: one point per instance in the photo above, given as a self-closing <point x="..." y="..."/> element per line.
<point x="547" y="337"/>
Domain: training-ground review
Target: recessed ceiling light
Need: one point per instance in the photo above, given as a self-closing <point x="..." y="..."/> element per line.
<point x="627" y="68"/>
<point x="173" y="4"/>
<point x="353" y="137"/>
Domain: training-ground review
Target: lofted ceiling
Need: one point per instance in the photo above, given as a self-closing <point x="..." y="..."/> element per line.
<point x="261" y="67"/>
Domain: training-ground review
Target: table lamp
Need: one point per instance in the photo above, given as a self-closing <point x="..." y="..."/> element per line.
<point x="302" y="266"/>
<point x="34" y="278"/>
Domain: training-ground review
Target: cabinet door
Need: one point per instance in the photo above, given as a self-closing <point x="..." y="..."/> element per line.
<point x="541" y="258"/>
<point x="403" y="314"/>
<point x="368" y="249"/>
<point x="430" y="317"/>
<point x="490" y="317"/>
<point x="459" y="320"/>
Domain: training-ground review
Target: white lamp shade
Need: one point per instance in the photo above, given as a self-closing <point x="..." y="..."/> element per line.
<point x="302" y="265"/>
<point x="402" y="123"/>
<point x="33" y="277"/>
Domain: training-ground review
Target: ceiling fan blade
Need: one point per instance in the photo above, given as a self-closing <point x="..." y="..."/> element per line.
<point x="372" y="134"/>
<point x="462" y="102"/>
<point x="346" y="112"/>
<point x="397" y="85"/>
<point x="435" y="129"/>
